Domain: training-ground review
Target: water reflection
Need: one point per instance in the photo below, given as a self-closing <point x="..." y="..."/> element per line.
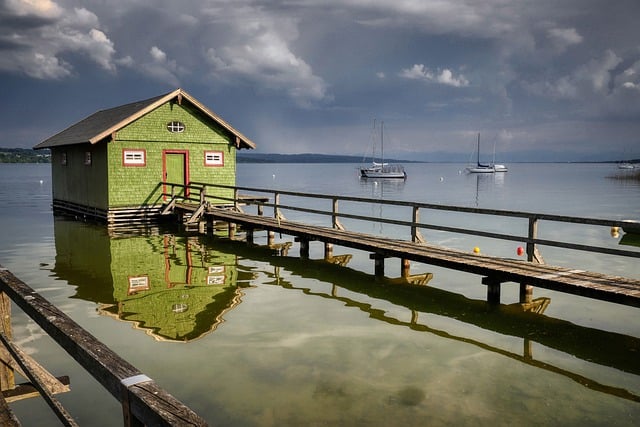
<point x="172" y="287"/>
<point x="382" y="188"/>
<point x="523" y="321"/>
<point x="176" y="287"/>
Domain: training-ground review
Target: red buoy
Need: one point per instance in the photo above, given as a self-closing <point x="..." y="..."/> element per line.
<point x="520" y="251"/>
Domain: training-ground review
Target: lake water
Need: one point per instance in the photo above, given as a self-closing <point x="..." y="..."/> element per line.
<point x="248" y="338"/>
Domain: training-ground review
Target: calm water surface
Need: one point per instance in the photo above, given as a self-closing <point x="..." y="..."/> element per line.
<point x="248" y="338"/>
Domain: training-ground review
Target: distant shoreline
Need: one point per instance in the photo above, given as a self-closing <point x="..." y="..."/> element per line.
<point x="25" y="155"/>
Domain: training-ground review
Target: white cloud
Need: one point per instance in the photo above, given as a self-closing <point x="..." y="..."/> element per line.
<point x="258" y="49"/>
<point x="50" y="32"/>
<point x="157" y="54"/>
<point x="42" y="8"/>
<point x="562" y="38"/>
<point x="161" y="68"/>
<point x="445" y="76"/>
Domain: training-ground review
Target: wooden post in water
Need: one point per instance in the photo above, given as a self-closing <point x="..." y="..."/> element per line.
<point x="378" y="263"/>
<point x="405" y="268"/>
<point x="210" y="225"/>
<point x="328" y="251"/>
<point x="493" y="289"/>
<point x="270" y="237"/>
<point x="304" y="248"/>
<point x="249" y="235"/>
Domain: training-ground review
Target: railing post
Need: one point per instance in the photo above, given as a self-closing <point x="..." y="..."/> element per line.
<point x="416" y="237"/>
<point x="276" y="203"/>
<point x="235" y="199"/>
<point x="335" y="223"/>
<point x="533" y="234"/>
<point x="203" y="194"/>
<point x="526" y="291"/>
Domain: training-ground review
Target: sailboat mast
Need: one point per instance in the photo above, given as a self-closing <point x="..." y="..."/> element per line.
<point x="478" y="162"/>
<point x="382" y="141"/>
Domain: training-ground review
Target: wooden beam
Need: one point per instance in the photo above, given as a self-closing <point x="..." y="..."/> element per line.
<point x="148" y="402"/>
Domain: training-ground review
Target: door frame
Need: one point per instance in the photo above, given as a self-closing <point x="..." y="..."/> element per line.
<point x="185" y="153"/>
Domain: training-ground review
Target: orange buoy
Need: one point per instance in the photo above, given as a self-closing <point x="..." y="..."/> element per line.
<point x="520" y="251"/>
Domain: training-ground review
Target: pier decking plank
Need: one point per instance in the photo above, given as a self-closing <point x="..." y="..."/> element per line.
<point x="604" y="287"/>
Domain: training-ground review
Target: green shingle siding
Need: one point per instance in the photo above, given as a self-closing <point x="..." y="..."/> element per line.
<point x="77" y="182"/>
<point x="139" y="185"/>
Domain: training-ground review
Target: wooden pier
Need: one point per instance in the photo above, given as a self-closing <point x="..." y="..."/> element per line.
<point x="495" y="271"/>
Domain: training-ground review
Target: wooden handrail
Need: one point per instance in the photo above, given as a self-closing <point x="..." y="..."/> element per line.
<point x="143" y="401"/>
<point x="531" y="240"/>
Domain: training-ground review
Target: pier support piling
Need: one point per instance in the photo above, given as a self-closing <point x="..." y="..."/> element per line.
<point x="493" y="289"/>
<point x="304" y="248"/>
<point x="405" y="268"/>
<point x="378" y="262"/>
<point x="328" y="251"/>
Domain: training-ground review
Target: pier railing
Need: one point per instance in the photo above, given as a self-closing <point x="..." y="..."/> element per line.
<point x="204" y="193"/>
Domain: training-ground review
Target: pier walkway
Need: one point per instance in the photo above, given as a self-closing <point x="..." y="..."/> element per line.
<point x="529" y="273"/>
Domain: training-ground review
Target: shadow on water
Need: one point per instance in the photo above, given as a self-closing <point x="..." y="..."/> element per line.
<point x="177" y="287"/>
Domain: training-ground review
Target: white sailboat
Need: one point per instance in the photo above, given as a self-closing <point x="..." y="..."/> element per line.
<point x="480" y="167"/>
<point x="382" y="169"/>
<point x="486" y="168"/>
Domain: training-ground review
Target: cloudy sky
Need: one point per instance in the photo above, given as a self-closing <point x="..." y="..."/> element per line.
<point x="540" y="80"/>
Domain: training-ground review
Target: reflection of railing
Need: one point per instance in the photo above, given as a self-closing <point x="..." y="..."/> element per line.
<point x="143" y="401"/>
<point x="579" y="341"/>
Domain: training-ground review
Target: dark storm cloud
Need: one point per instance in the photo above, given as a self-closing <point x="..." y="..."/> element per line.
<point x="308" y="76"/>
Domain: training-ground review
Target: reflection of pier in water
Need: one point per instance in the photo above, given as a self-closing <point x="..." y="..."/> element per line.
<point x="189" y="258"/>
<point x="524" y="321"/>
<point x="172" y="287"/>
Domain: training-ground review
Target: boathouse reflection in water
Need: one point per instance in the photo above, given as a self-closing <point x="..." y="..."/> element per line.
<point x="172" y="287"/>
<point x="176" y="287"/>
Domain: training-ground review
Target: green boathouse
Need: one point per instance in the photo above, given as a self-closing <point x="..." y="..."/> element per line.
<point x="119" y="163"/>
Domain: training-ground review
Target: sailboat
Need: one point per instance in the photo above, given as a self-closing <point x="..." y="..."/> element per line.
<point x="480" y="167"/>
<point x="382" y="169"/>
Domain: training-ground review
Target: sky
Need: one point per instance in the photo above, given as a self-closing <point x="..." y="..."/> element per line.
<point x="544" y="80"/>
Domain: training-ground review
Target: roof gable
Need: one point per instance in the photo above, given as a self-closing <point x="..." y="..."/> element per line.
<point x="102" y="124"/>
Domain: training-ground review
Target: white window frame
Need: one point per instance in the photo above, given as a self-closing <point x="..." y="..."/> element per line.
<point x="134" y="157"/>
<point x="176" y="126"/>
<point x="138" y="284"/>
<point x="214" y="158"/>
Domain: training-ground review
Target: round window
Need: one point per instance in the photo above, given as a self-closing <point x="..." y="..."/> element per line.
<point x="175" y="127"/>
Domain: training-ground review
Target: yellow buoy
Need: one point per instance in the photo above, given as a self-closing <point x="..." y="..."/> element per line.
<point x="476" y="250"/>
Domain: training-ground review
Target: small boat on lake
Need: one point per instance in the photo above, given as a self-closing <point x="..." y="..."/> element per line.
<point x="484" y="167"/>
<point x="381" y="169"/>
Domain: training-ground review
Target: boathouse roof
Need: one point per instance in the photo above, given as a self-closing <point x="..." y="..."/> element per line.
<point x="102" y="124"/>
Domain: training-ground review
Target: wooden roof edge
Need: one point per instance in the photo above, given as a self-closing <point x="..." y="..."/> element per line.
<point x="181" y="94"/>
<point x="116" y="127"/>
<point x="240" y="139"/>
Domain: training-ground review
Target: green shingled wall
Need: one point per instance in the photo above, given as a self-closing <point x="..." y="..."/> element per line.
<point x="138" y="185"/>
<point x="78" y="182"/>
